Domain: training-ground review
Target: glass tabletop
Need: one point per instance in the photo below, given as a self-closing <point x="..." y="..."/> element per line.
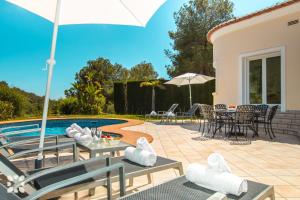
<point x="103" y="146"/>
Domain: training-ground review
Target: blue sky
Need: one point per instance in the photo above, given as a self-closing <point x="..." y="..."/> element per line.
<point x="25" y="44"/>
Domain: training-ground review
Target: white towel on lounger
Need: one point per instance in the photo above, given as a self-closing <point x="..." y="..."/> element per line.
<point x="216" y="162"/>
<point x="153" y="113"/>
<point x="143" y="144"/>
<point x="216" y="176"/>
<point x="224" y="182"/>
<point x="140" y="156"/>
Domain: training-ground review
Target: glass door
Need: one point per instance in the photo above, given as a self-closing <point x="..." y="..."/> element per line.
<point x="264" y="80"/>
<point x="273" y="76"/>
<point x="255" y="82"/>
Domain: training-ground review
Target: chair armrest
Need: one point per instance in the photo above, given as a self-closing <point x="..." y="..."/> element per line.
<point x="76" y="179"/>
<point x="73" y="144"/>
<point x="29" y="141"/>
<point x="182" y="113"/>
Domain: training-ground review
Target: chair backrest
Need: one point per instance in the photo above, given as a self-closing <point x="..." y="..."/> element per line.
<point x="272" y="113"/>
<point x="207" y="112"/>
<point x="245" y="114"/>
<point x="242" y="117"/>
<point x="220" y="107"/>
<point x="245" y="108"/>
<point x="8" y="168"/>
<point x="193" y="109"/>
<point x="262" y="109"/>
<point x="5" y="150"/>
<point x="173" y="107"/>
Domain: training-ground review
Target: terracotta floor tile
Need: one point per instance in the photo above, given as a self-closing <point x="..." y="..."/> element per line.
<point x="288" y="191"/>
<point x="263" y="160"/>
<point x="271" y="180"/>
<point x="293" y="180"/>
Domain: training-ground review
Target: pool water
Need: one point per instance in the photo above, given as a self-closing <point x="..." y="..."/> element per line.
<point x="55" y="127"/>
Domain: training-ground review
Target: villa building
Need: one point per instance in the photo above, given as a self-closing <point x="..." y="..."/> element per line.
<point x="257" y="58"/>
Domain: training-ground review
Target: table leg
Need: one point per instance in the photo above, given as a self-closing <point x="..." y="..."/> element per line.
<point x="130" y="182"/>
<point x="149" y="178"/>
<point x="92" y="191"/>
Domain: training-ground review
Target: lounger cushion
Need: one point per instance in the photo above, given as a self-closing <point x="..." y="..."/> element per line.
<point x="60" y="176"/>
<point x="130" y="167"/>
<point x="181" y="189"/>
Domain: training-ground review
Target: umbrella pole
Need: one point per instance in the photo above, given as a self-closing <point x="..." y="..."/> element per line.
<point x="51" y="63"/>
<point x="190" y="89"/>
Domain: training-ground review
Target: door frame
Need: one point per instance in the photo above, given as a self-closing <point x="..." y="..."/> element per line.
<point x="243" y="72"/>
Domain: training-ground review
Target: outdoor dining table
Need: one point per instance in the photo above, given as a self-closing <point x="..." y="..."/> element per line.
<point x="99" y="148"/>
<point x="229" y="114"/>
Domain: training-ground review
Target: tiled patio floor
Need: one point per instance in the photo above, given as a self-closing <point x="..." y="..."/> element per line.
<point x="271" y="162"/>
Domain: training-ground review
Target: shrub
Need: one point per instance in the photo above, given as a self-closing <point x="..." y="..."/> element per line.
<point x="18" y="101"/>
<point x="110" y="108"/>
<point x="68" y="106"/>
<point x="6" y="110"/>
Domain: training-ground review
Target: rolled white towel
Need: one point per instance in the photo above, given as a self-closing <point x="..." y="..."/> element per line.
<point x="71" y="132"/>
<point x="77" y="127"/>
<point x="143" y="144"/>
<point x="85" y="139"/>
<point x="153" y="113"/>
<point x="87" y="131"/>
<point x="141" y="157"/>
<point x="77" y="136"/>
<point x="170" y="114"/>
<point x="224" y="182"/>
<point x="68" y="129"/>
<point x="217" y="162"/>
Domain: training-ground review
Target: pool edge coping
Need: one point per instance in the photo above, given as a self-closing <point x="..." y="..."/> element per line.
<point x="128" y="136"/>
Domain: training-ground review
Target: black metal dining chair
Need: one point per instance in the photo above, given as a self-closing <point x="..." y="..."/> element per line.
<point x="211" y="121"/>
<point x="268" y="124"/>
<point x="243" y="120"/>
<point x="220" y="107"/>
<point x="260" y="115"/>
<point x="208" y="118"/>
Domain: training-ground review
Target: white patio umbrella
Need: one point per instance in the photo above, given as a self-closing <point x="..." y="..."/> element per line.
<point x="189" y="79"/>
<point x="66" y="12"/>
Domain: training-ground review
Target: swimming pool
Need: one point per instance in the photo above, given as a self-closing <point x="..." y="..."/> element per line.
<point x="55" y="126"/>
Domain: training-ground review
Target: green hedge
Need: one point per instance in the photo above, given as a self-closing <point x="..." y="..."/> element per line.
<point x="139" y="98"/>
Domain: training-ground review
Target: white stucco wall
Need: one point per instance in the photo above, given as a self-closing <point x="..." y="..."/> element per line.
<point x="271" y="34"/>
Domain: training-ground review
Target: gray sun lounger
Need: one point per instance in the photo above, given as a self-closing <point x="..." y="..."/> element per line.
<point x="132" y="170"/>
<point x="181" y="189"/>
<point x="190" y="114"/>
<point x="31" y="193"/>
<point x="163" y="114"/>
<point x="56" y="144"/>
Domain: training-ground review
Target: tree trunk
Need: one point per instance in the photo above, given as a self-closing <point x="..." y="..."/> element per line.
<point x="153" y="98"/>
<point x="125" y="98"/>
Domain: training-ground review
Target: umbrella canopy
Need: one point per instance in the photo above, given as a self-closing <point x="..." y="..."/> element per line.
<point x="124" y="12"/>
<point x="189" y="79"/>
<point x="64" y="12"/>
